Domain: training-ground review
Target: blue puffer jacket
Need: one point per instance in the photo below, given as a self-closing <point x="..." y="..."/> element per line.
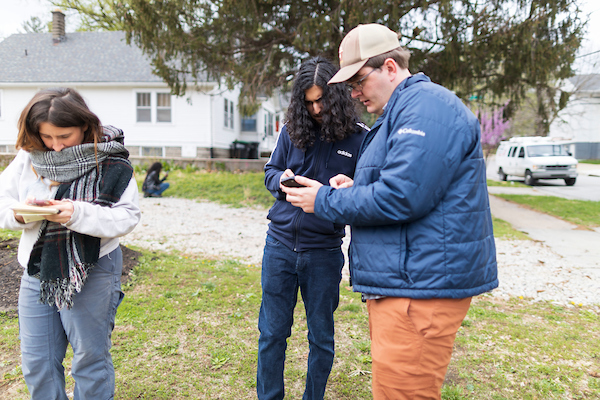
<point x="419" y="207"/>
<point x="321" y="161"/>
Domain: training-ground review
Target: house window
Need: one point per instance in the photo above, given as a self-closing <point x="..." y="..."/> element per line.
<point x="228" y="114"/>
<point x="153" y="107"/>
<point x="268" y="123"/>
<point x="152" y="151"/>
<point x="144" y="107"/>
<point x="163" y="107"/>
<point x="249" y="123"/>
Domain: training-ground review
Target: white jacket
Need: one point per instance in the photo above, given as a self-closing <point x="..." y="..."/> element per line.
<point x="106" y="223"/>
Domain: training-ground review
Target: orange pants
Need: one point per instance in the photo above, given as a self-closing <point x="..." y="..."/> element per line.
<point x="411" y="345"/>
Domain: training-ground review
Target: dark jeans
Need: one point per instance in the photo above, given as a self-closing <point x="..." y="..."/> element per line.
<point x="158" y="192"/>
<point x="317" y="273"/>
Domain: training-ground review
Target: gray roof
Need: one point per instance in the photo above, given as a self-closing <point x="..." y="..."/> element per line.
<point x="586" y="83"/>
<point x="82" y="57"/>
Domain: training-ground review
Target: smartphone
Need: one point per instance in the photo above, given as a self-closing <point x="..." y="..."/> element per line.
<point x="290" y="182"/>
<point x="35" y="202"/>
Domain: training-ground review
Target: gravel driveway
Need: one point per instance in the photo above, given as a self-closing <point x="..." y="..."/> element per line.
<point x="203" y="228"/>
<point x="526" y="268"/>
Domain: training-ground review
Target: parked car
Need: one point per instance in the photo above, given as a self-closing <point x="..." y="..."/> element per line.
<point x="536" y="158"/>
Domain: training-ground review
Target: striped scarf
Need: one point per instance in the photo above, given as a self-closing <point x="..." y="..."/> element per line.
<point x="62" y="258"/>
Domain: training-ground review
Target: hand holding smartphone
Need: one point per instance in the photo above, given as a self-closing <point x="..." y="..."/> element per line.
<point x="290" y="182"/>
<point x="32" y="201"/>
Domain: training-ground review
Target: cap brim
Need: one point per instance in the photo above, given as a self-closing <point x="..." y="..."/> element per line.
<point x="347" y="72"/>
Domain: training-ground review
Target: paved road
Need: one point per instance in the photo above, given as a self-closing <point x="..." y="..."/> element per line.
<point x="586" y="188"/>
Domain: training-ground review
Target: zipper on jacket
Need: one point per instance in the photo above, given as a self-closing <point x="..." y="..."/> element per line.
<point x="299" y="215"/>
<point x="298" y="218"/>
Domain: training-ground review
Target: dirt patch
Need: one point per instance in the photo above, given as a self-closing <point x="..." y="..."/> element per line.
<point x="11" y="271"/>
<point x="10" y="275"/>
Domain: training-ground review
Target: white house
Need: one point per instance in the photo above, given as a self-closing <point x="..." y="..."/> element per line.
<point x="579" y="121"/>
<point x="117" y="82"/>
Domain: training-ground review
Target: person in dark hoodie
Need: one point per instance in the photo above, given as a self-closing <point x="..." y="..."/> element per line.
<point x="320" y="139"/>
<point x="153" y="185"/>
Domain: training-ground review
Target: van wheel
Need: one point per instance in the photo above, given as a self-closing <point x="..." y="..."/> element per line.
<point x="502" y="175"/>
<point x="529" y="180"/>
<point x="570" y="181"/>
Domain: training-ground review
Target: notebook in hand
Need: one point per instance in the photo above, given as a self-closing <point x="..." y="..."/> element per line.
<point x="34" y="213"/>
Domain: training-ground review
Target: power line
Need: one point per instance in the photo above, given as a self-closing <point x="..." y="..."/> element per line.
<point x="588" y="54"/>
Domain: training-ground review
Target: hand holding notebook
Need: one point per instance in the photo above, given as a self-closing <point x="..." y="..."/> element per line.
<point x="34" y="213"/>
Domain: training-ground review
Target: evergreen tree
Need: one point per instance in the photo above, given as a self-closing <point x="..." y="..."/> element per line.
<point x="489" y="50"/>
<point x="35" y="25"/>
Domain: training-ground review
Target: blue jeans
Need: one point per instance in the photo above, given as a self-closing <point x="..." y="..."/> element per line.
<point x="46" y="331"/>
<point x="158" y="192"/>
<point x="317" y="273"/>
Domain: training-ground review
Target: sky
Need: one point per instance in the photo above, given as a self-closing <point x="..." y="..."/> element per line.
<point x="587" y="62"/>
<point x="15" y="12"/>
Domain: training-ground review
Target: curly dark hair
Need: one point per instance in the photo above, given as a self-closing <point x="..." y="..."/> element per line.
<point x="339" y="110"/>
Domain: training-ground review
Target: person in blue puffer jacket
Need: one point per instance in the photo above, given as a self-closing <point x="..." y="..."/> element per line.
<point x="422" y="241"/>
<point x="320" y="139"/>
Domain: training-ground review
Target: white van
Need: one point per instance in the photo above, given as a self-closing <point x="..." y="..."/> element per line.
<point x="536" y="158"/>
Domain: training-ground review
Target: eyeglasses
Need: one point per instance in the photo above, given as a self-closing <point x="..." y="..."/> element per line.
<point x="358" y="84"/>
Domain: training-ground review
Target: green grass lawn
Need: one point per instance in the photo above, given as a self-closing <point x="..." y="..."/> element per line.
<point x="6" y="234"/>
<point x="491" y="182"/>
<point x="187" y="330"/>
<point x="504" y="230"/>
<point x="245" y="189"/>
<point x="580" y="212"/>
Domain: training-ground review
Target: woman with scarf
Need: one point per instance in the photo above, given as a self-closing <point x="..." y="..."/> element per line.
<point x="70" y="289"/>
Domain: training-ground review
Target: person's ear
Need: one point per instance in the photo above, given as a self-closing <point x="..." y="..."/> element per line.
<point x="390" y="68"/>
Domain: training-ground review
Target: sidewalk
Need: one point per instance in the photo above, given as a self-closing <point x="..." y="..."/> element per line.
<point x="588" y="169"/>
<point x="578" y="245"/>
<point x="531" y="191"/>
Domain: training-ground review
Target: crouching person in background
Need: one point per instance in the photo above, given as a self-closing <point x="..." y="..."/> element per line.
<point x="153" y="185"/>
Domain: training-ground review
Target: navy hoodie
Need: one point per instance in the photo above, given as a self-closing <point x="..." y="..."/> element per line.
<point x="323" y="160"/>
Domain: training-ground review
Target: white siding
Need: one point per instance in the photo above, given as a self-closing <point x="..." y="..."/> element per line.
<point x="190" y="121"/>
<point x="13" y="102"/>
<point x="580" y="120"/>
<point x="197" y="119"/>
<point x="190" y="126"/>
<point x="223" y="136"/>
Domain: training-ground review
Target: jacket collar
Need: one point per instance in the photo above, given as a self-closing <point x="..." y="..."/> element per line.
<point x="411" y="80"/>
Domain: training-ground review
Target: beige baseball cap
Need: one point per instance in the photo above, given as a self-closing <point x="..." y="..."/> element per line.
<point x="360" y="44"/>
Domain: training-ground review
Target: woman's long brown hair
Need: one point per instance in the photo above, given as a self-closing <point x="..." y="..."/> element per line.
<point x="61" y="107"/>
